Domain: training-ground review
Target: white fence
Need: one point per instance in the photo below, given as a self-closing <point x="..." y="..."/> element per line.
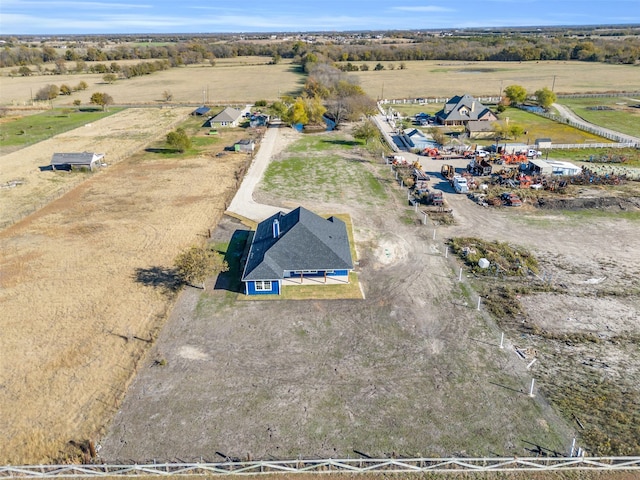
<point x="366" y="465"/>
<point x="567" y="146"/>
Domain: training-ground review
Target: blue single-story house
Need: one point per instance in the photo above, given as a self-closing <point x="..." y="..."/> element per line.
<point x="295" y="248"/>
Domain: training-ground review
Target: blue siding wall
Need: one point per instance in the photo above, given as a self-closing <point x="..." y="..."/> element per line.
<point x="251" y="289"/>
<point x="338" y="272"/>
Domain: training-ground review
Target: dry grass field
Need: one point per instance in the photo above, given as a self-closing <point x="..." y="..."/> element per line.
<point x="240" y="80"/>
<point x="246" y="79"/>
<point x="448" y="78"/>
<point x="82" y="282"/>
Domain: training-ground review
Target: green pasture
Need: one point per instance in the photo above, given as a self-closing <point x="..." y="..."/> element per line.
<point x="32" y="129"/>
<point x="541" y="127"/>
<point x="622" y="118"/>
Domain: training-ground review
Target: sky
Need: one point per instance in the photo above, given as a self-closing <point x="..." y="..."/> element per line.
<point x="41" y="17"/>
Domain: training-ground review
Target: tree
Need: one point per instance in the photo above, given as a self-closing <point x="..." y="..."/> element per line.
<point x="378" y="67"/>
<point x="515" y="131"/>
<point x="365" y="131"/>
<point x="109" y="77"/>
<point x="515" y="94"/>
<point x="24" y="71"/>
<point x="82" y="85"/>
<point x="167" y="95"/>
<point x="545" y="97"/>
<point x="178" y="139"/>
<point x="438" y="135"/>
<point x="102" y="99"/>
<point x="197" y="263"/>
<point x="297" y="113"/>
<point x="48" y="92"/>
<point x="65" y="89"/>
<point x="315" y="110"/>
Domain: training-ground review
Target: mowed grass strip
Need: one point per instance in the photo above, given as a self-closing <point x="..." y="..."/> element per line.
<point x="622" y="117"/>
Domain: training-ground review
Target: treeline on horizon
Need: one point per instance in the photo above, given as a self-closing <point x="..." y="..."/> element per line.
<point x="201" y="49"/>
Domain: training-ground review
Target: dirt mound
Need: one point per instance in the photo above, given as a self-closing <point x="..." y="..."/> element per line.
<point x="608" y="203"/>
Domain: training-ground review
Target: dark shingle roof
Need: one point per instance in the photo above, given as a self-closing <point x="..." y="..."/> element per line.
<point x="453" y="108"/>
<point x="306" y="242"/>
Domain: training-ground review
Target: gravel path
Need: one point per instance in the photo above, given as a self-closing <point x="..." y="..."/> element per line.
<point x="243" y="203"/>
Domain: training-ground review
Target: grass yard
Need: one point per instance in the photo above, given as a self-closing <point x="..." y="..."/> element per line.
<point x="318" y="167"/>
<point x="541" y="127"/>
<point x="22" y="131"/>
<point x="621" y="117"/>
<point x="411" y="109"/>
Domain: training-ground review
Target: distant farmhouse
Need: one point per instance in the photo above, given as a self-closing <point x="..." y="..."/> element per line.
<point x="229" y="117"/>
<point x="460" y="110"/>
<point x="296" y="248"/>
<point x="74" y="161"/>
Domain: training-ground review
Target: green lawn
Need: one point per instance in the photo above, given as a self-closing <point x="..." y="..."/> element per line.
<point x="623" y="118"/>
<point x="35" y="128"/>
<point x="541" y="127"/>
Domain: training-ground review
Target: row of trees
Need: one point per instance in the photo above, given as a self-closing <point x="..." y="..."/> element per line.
<point x="498" y="47"/>
<point x="123" y="71"/>
<point x="327" y="91"/>
<point x="517" y="95"/>
<point x="49" y="92"/>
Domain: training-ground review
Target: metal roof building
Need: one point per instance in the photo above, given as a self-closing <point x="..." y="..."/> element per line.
<point x="69" y="161"/>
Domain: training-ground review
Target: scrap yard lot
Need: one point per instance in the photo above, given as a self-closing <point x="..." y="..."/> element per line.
<point x="102" y="348"/>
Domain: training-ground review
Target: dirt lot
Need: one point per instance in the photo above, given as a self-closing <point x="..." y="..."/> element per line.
<point x="83" y="280"/>
<point x="414" y="369"/>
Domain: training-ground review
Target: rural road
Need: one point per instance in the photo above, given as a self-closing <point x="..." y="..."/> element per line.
<point x="566" y="112"/>
<point x="243" y="203"/>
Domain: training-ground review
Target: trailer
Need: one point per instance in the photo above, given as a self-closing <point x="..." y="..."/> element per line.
<point x="479" y="168"/>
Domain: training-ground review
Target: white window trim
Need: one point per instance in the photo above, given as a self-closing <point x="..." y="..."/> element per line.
<point x="263" y="285"/>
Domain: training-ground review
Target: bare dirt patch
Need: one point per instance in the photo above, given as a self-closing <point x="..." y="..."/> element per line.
<point x="86" y="283"/>
<point x="414" y="369"/>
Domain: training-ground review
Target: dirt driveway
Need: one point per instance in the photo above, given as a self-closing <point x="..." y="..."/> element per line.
<point x="414" y="369"/>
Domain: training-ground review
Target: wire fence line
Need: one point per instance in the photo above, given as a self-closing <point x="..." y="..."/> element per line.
<point x="365" y="465"/>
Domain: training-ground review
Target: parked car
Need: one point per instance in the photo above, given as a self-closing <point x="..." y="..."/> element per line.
<point x="511" y="199"/>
